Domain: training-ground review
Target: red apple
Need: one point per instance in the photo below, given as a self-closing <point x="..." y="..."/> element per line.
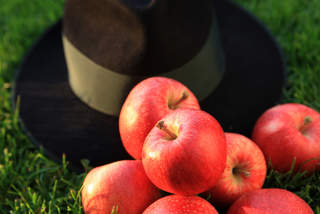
<point x="123" y="184"/>
<point x="287" y="132"/>
<point x="177" y="204"/>
<point x="185" y="153"/>
<point x="148" y="102"/>
<point x="245" y="171"/>
<point x="270" y="201"/>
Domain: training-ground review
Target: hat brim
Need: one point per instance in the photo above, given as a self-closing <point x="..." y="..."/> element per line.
<point x="55" y="119"/>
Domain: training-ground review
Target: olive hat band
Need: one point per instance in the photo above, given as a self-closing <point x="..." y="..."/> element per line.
<point x="105" y="90"/>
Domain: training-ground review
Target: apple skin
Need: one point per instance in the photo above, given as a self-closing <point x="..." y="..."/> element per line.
<point x="123" y="184"/>
<point x="178" y="204"/>
<point x="283" y="133"/>
<point x="148" y="102"/>
<point x="270" y="201"/>
<point x="192" y="162"/>
<point x="245" y="171"/>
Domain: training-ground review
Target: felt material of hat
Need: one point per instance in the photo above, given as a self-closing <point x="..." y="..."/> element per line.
<point x="105" y="90"/>
<point x="177" y="39"/>
<point x="57" y="120"/>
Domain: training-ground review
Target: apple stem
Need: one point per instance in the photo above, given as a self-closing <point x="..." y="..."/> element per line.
<point x="307" y="120"/>
<point x="185" y="95"/>
<point x="164" y="128"/>
<point x="238" y="171"/>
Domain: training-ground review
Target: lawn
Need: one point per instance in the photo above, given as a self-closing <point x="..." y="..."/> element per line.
<point x="32" y="183"/>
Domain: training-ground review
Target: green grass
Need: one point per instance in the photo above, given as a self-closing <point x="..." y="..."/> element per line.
<point x="32" y="183"/>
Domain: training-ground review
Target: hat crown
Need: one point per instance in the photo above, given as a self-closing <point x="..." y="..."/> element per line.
<point x="138" y="37"/>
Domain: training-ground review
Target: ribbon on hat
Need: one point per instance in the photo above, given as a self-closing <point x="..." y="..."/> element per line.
<point x="105" y="90"/>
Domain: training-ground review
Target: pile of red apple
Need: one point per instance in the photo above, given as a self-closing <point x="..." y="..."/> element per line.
<point x="183" y="157"/>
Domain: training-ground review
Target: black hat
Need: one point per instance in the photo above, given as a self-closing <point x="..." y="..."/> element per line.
<point x="74" y="80"/>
